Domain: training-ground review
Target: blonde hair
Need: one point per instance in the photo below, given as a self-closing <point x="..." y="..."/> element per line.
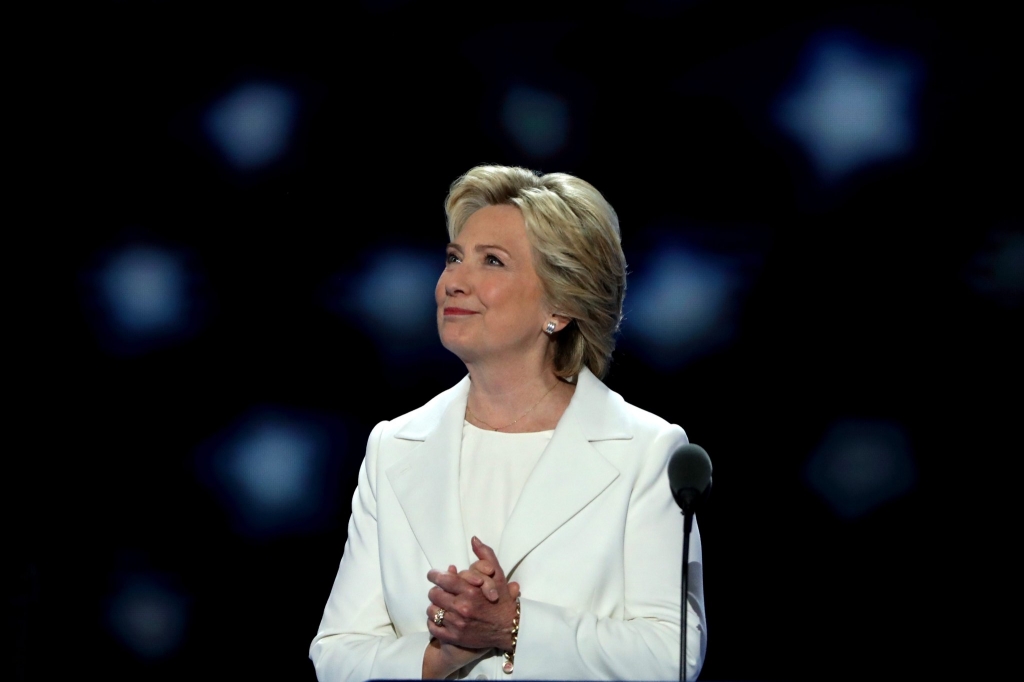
<point x="577" y="253"/>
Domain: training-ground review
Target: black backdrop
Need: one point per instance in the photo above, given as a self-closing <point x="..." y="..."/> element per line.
<point x="865" y="304"/>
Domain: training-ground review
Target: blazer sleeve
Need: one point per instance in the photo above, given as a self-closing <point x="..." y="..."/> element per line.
<point x="356" y="640"/>
<point x="563" y="644"/>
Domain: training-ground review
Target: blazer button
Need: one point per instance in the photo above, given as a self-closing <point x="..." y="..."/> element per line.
<point x="481" y="677"/>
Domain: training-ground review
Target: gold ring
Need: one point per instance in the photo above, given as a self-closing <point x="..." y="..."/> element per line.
<point x="439" y="618"/>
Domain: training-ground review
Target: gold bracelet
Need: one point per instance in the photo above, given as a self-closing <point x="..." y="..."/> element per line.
<point x="510" y="655"/>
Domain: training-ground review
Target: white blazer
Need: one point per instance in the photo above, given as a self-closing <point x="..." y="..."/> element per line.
<point x="595" y="542"/>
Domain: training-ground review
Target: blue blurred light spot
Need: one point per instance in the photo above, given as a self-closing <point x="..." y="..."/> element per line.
<point x="396" y="292"/>
<point x="271" y="465"/>
<point x="537" y="121"/>
<point x="148" y="617"/>
<point x="144" y="288"/>
<point x="681" y="303"/>
<point x="851" y="105"/>
<point x="392" y="299"/>
<point x="252" y="125"/>
<point x="273" y="472"/>
<point x="861" y="465"/>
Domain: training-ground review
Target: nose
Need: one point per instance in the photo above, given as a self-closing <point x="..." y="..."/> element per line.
<point x="453" y="282"/>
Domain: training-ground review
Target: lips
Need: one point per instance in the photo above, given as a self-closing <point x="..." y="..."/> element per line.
<point x="458" y="311"/>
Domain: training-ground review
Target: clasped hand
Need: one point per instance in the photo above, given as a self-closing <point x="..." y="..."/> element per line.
<point x="479" y="604"/>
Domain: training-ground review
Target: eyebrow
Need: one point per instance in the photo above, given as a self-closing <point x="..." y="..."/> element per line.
<point x="485" y="247"/>
<point x="480" y="247"/>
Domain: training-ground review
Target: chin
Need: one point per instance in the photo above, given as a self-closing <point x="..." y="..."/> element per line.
<point x="452" y="342"/>
<point x="461" y="348"/>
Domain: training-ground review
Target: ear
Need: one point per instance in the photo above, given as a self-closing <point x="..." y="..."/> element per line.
<point x="561" y="321"/>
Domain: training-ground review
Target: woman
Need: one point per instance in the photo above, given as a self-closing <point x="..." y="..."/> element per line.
<point x="519" y="524"/>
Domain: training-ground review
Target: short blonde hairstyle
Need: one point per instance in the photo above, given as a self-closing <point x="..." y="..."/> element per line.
<point x="577" y="253"/>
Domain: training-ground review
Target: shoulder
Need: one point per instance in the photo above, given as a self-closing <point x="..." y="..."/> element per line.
<point x="639" y="445"/>
<point x="647" y="425"/>
<point x="609" y="416"/>
<point x="654" y="438"/>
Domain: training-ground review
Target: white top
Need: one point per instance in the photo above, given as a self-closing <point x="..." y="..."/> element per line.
<point x="493" y="469"/>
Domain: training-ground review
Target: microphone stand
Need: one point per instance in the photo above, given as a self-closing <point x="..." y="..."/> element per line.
<point x="689" y="475"/>
<point x="687" y="525"/>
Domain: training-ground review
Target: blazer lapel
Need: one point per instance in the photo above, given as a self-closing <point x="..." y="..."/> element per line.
<point x="426" y="483"/>
<point x="570" y="473"/>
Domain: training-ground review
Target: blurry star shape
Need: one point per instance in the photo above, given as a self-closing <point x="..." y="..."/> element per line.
<point x="853" y="105"/>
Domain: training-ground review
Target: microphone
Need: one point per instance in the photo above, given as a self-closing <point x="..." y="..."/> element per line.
<point x="689" y="477"/>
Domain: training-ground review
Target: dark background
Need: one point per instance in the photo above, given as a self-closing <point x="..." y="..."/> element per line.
<point x="878" y="305"/>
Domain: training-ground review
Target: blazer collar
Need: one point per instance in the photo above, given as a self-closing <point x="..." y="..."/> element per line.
<point x="568" y="476"/>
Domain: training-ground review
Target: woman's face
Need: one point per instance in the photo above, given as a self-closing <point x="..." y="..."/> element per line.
<point x="490" y="304"/>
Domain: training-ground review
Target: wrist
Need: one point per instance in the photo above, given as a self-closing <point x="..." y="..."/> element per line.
<point x="437" y="662"/>
<point x="441" y="660"/>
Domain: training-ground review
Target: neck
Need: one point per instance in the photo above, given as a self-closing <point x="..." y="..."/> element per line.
<point x="516" y="397"/>
<point x="513" y="376"/>
<point x="511" y="387"/>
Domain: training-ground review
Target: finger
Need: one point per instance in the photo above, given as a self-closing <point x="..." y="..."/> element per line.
<point x="484" y="567"/>
<point x="513" y="589"/>
<point x="447" y="633"/>
<point x="441" y="598"/>
<point x="441" y="634"/>
<point x="452" y="569"/>
<point x="453" y="621"/>
<point x="490" y="591"/>
<point x="472" y="577"/>
<point x="486" y="584"/>
<point x="450" y="582"/>
<point x="432" y="610"/>
<point x="485" y="553"/>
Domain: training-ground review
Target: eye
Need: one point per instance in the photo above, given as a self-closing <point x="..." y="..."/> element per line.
<point x="491" y="259"/>
<point x="451" y="257"/>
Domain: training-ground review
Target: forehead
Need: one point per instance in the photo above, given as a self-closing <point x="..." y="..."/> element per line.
<point x="501" y="225"/>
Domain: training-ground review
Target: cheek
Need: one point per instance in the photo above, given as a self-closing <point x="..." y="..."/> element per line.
<point x="439" y="290"/>
<point x="494" y="292"/>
